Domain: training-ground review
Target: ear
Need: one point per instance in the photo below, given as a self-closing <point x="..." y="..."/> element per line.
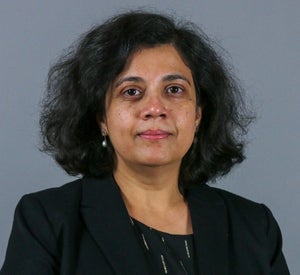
<point x="101" y="123"/>
<point x="198" y="117"/>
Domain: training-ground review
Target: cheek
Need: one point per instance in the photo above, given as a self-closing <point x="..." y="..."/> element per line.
<point x="186" y="120"/>
<point x="119" y="119"/>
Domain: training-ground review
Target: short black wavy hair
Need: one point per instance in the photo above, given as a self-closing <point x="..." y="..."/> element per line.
<point x="78" y="82"/>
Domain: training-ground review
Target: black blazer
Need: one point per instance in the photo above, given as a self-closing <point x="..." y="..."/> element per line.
<point x="83" y="228"/>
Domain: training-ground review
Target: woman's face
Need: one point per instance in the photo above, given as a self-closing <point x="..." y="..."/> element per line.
<point x="151" y="112"/>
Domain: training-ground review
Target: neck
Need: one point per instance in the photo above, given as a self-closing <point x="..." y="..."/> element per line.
<point x="151" y="195"/>
<point x="149" y="186"/>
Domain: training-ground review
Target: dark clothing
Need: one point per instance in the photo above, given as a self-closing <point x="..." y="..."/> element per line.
<point x="83" y="228"/>
<point x="169" y="254"/>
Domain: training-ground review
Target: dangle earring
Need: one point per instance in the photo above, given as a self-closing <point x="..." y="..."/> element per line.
<point x="104" y="141"/>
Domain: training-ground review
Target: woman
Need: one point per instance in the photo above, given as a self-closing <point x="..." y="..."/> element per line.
<point x="145" y="110"/>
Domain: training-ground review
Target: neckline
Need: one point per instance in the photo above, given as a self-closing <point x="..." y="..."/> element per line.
<point x="147" y="227"/>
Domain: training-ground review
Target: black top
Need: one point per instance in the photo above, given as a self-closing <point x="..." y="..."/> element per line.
<point x="169" y="253"/>
<point x="83" y="228"/>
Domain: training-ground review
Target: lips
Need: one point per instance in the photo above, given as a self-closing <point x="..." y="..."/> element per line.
<point x="154" y="134"/>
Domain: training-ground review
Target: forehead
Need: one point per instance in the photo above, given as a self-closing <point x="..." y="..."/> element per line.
<point x="156" y="61"/>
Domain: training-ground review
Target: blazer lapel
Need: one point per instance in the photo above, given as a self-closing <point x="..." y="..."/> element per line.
<point x="108" y="222"/>
<point x="210" y="226"/>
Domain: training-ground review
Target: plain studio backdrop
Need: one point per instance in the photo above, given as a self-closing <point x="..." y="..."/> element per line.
<point x="262" y="40"/>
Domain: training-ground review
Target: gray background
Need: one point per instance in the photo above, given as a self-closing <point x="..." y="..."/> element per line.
<point x="262" y="39"/>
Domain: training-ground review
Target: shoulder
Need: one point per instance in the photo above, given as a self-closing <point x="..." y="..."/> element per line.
<point x="252" y="222"/>
<point x="56" y="205"/>
<point x="43" y="221"/>
<point x="212" y="194"/>
<point x="250" y="210"/>
<point x="244" y="217"/>
<point x="235" y="201"/>
<point x="239" y="210"/>
<point x="56" y="197"/>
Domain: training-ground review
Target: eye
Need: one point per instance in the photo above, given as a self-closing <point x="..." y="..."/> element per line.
<point x="174" y="90"/>
<point x="132" y="92"/>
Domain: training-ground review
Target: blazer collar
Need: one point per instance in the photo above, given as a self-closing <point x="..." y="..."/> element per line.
<point x="107" y="220"/>
<point x="210" y="226"/>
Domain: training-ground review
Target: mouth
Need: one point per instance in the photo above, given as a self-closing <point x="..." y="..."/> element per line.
<point x="154" y="134"/>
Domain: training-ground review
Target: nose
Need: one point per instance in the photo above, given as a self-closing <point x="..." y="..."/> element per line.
<point x="154" y="107"/>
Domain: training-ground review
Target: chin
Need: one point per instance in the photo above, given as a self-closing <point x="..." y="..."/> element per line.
<point x="159" y="162"/>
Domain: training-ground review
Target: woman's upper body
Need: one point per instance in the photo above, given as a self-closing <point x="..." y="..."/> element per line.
<point x="149" y="101"/>
<point x="84" y="228"/>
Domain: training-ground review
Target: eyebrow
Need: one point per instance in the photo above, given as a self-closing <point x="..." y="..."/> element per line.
<point x="169" y="77"/>
<point x="129" y="78"/>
